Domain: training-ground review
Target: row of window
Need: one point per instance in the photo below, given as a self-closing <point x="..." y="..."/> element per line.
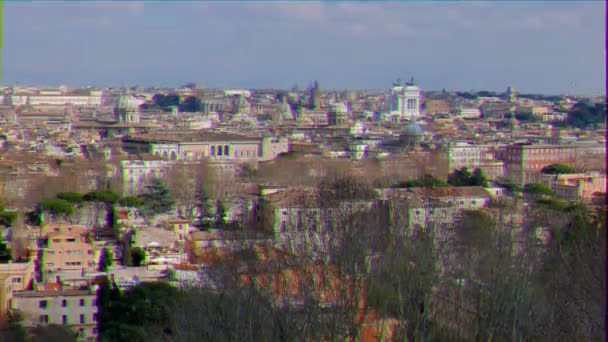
<point x="65" y="319"/>
<point x="43" y="304"/>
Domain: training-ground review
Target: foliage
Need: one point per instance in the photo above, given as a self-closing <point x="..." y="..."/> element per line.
<point x="57" y="206"/>
<point x="538" y="189"/>
<point x="5" y="252"/>
<point x="132" y="315"/>
<point x="527" y="117"/>
<point x="464" y="177"/>
<point x="7" y="218"/>
<point x="105" y="196"/>
<point x="190" y="104"/>
<point x="220" y="214"/>
<point x="138" y="255"/>
<point x="426" y="181"/>
<point x="73" y="197"/>
<point x="508" y="184"/>
<point x="585" y="115"/>
<point x="112" y="216"/>
<point x="401" y="285"/>
<point x="344" y="188"/>
<point x="555" y="169"/>
<point x="130" y="201"/>
<point x="107" y="260"/>
<point x="165" y="101"/>
<point x="157" y="199"/>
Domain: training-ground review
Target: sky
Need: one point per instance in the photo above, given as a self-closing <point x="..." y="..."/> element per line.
<point x="537" y="47"/>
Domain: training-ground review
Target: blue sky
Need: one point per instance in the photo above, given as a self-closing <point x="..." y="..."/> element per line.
<point x="548" y="47"/>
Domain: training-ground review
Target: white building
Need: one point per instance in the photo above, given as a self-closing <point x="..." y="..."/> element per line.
<point x="136" y="174"/>
<point x="406" y="100"/>
<point x="73" y="309"/>
<point x="58" y="98"/>
<point x="469" y="113"/>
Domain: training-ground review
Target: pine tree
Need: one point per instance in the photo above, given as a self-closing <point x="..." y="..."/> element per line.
<point x="157" y="200"/>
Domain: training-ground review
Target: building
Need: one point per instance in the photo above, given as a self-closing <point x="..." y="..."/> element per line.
<point x="14" y="277"/>
<point x="68" y="250"/>
<point x="464" y="154"/>
<point x="136" y="174"/>
<point x="469" y="113"/>
<point x="406" y="99"/>
<point x="433" y="107"/>
<point x="194" y="145"/>
<point x="74" y="309"/>
<point x="525" y="160"/>
<point x="58" y="98"/>
<point x="577" y="186"/>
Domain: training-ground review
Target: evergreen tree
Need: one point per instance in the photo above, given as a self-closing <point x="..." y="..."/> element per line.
<point x="107" y="260"/>
<point x="157" y="199"/>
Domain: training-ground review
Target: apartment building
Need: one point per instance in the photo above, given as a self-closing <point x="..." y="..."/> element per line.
<point x="74" y="309"/>
<point x="14" y="277"/>
<point x="577" y="186"/>
<point x="65" y="250"/>
<point x="472" y="156"/>
<point x="524" y="160"/>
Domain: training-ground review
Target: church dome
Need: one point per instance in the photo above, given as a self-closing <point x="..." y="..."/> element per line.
<point x="414" y="129"/>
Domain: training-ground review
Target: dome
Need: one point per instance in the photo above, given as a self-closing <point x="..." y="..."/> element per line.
<point x="414" y="129"/>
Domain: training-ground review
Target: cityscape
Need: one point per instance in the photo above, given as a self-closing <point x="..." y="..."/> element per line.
<point x="195" y="212"/>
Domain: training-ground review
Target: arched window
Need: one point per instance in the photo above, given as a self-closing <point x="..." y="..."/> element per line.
<point x="165" y="155"/>
<point x="173" y="155"/>
<point x="212" y="152"/>
<point x="226" y="151"/>
<point x="219" y="150"/>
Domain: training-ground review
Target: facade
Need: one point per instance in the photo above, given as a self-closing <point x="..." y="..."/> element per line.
<point x="64" y="250"/>
<point x="577" y="186"/>
<point x="406" y="100"/>
<point x="213" y="146"/>
<point x="58" y="100"/>
<point x="136" y="174"/>
<point x="469" y="113"/>
<point x="75" y="309"/>
<point x="524" y="160"/>
<point x="14" y="277"/>
<point x="464" y="154"/>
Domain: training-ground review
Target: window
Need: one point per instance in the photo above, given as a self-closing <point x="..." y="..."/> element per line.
<point x="82" y="320"/>
<point x="64" y="319"/>
<point x="43" y="304"/>
<point x="44" y="318"/>
<point x="95" y="317"/>
<point x="17" y="280"/>
<point x="82" y="303"/>
<point x="64" y="303"/>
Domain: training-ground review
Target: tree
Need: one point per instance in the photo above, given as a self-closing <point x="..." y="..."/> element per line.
<point x="57" y="206"/>
<point x="585" y="115"/>
<point x="556" y="169"/>
<point x="464" y="177"/>
<point x="130" y="201"/>
<point x="105" y="196"/>
<point x="479" y="178"/>
<point x="8" y="218"/>
<point x="190" y="104"/>
<point x="138" y="256"/>
<point x="107" y="260"/>
<point x="73" y="197"/>
<point x="538" y="190"/>
<point x="5" y="252"/>
<point x="220" y="214"/>
<point x="460" y="177"/>
<point x="157" y="199"/>
<point x="427" y="181"/>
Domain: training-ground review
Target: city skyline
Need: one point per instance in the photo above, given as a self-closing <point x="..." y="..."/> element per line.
<point x="544" y="47"/>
